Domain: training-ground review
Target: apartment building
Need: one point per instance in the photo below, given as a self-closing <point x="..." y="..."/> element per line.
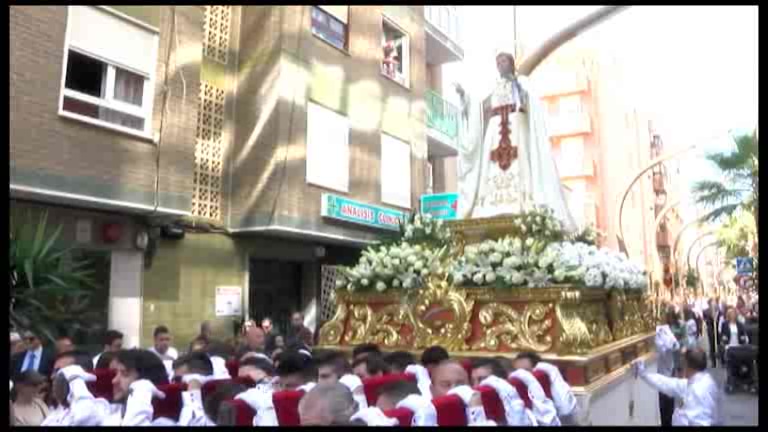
<point x="221" y="158"/>
<point x="601" y="141"/>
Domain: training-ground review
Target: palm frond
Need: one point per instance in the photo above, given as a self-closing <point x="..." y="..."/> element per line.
<point x="722" y="211"/>
<point x="714" y="193"/>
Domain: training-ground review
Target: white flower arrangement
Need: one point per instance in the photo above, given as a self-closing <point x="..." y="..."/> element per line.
<point x="426" y="228"/>
<point x="512" y="262"/>
<point x="536" y="256"/>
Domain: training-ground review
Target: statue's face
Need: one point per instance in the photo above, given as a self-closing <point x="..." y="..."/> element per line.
<point x="504" y="64"/>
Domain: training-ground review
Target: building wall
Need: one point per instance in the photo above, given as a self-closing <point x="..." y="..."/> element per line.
<point x="269" y="166"/>
<point x="50" y="152"/>
<point x="180" y="286"/>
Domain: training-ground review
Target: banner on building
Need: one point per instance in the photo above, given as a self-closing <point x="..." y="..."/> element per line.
<point x="347" y="210"/>
<point x="441" y="206"/>
<point x="229" y="301"/>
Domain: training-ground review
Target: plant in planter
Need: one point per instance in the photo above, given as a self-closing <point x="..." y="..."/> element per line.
<point x="47" y="290"/>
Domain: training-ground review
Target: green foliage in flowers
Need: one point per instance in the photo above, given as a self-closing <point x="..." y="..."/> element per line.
<point x="46" y="288"/>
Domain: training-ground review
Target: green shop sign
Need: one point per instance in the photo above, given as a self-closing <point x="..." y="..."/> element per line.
<point x="347" y="210"/>
<point x="441" y="206"/>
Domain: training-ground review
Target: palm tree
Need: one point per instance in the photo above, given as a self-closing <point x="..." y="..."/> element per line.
<point x="738" y="189"/>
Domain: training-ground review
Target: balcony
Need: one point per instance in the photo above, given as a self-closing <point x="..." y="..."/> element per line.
<point x="442" y="125"/>
<point x="569" y="124"/>
<point x="442" y="29"/>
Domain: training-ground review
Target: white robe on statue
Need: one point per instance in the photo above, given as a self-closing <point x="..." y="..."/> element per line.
<point x="485" y="189"/>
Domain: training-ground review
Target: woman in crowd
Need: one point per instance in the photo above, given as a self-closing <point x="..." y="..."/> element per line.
<point x="28" y="407"/>
<point x="691" y="329"/>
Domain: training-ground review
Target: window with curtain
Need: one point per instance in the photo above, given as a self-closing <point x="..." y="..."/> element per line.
<point x="329" y="23"/>
<point x="109" y="69"/>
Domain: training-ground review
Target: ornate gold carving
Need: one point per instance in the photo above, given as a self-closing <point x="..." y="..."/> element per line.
<point x="574" y="334"/>
<point x="387" y="325"/>
<point x="528" y="330"/>
<point x="359" y="324"/>
<point x="452" y="334"/>
<point x="333" y="330"/>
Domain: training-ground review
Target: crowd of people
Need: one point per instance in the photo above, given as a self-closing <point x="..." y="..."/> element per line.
<point x="54" y="386"/>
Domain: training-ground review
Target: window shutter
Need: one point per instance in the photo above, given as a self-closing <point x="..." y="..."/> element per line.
<point x="395" y="172"/>
<point x="327" y="148"/>
<point x="111" y="38"/>
<point x="341" y="13"/>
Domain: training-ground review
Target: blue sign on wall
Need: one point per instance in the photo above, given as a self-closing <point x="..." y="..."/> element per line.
<point x="441" y="206"/>
<point x="344" y="209"/>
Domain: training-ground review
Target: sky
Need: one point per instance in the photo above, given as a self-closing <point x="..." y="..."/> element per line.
<point x="695" y="67"/>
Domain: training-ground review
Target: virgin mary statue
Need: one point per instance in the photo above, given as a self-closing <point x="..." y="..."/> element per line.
<point x="505" y="160"/>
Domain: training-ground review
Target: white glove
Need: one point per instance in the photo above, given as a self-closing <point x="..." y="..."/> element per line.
<point x="638" y="367"/>
<point x="11" y="382"/>
<point x="423" y="381"/>
<point x="351" y="381"/>
<point x="373" y="416"/>
<point x="306" y="388"/>
<point x="424" y="412"/>
<point x="202" y="379"/>
<point x="145" y="385"/>
<point x="465" y="392"/>
<point x="74" y="372"/>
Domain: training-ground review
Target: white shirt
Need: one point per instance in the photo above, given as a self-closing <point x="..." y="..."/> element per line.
<point x="86" y="410"/>
<point x="170" y="354"/>
<point x="96" y="360"/>
<point x="700" y="397"/>
<point x="734" y="335"/>
<point x="38" y="353"/>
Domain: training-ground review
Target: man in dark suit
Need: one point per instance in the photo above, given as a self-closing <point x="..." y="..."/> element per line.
<point x="36" y="357"/>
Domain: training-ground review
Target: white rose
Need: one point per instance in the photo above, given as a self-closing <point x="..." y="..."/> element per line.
<point x="364" y="282"/>
<point x="458" y="279"/>
<point x="529" y="242"/>
<point x="381" y="286"/>
<point x="496" y="258"/>
<point x="411" y="259"/>
<point x="485" y="248"/>
<point x="340" y="283"/>
<point x="351" y="287"/>
<point x="395" y="283"/>
<point x="396" y="262"/>
<point x="424" y="272"/>
<point x="490" y="277"/>
<point x="517" y="278"/>
<point x="418" y="265"/>
<point x="408" y="283"/>
<point x="478" y="278"/>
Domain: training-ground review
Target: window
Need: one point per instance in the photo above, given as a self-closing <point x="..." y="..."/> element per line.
<point x="572" y="156"/>
<point x="329" y="23"/>
<point x="109" y="71"/>
<point x="395" y="62"/>
<point x="570" y="105"/>
<point x="395" y="172"/>
<point x="327" y="148"/>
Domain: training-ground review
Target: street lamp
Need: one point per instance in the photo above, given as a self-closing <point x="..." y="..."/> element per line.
<point x="620" y="207"/>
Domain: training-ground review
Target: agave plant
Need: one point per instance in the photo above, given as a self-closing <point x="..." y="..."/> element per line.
<point x="47" y="290"/>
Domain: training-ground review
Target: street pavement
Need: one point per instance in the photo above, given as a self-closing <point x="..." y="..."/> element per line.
<point x="741" y="408"/>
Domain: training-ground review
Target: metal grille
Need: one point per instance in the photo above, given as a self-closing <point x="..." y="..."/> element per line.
<point x="216" y="38"/>
<point x="209" y="153"/>
<point x="327" y="292"/>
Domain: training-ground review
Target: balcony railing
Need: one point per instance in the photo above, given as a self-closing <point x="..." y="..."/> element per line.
<point x="442" y="116"/>
<point x="446" y="19"/>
